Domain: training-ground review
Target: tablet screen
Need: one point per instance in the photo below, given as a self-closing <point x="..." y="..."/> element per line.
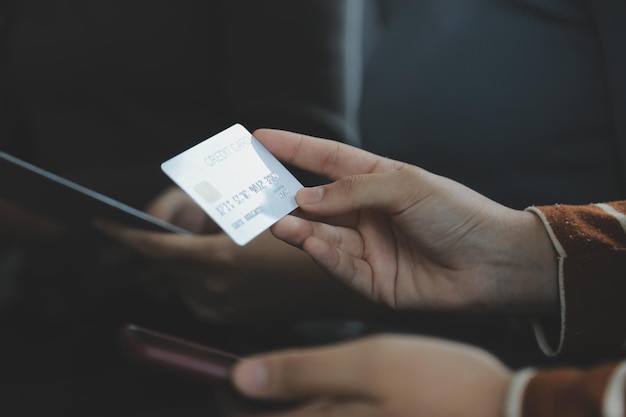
<point x="74" y="205"/>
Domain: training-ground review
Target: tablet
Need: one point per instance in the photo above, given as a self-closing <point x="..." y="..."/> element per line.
<point x="74" y="205"/>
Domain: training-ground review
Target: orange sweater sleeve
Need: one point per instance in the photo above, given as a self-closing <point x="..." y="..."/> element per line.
<point x="591" y="244"/>
<point x="596" y="392"/>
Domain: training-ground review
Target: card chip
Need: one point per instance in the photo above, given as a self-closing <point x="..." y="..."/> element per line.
<point x="207" y="192"/>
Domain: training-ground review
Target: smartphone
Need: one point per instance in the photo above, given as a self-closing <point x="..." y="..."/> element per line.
<point x="190" y="359"/>
<point x="173" y="354"/>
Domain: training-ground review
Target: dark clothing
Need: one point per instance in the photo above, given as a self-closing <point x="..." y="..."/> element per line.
<point x="509" y="97"/>
<point x="102" y="92"/>
<point x="106" y="91"/>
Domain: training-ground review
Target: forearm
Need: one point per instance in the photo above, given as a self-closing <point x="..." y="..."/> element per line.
<point x="526" y="267"/>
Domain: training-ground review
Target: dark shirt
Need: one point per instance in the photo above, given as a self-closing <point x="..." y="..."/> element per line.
<point x="106" y="91"/>
<point x="509" y="97"/>
<point x="102" y="92"/>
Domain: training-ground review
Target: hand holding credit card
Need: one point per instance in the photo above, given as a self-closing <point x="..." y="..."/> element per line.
<point x="236" y="181"/>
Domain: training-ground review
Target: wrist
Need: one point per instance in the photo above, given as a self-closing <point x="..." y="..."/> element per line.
<point x="529" y="283"/>
<point x="543" y="280"/>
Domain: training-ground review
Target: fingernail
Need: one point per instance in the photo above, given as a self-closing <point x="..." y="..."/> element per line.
<point x="310" y="195"/>
<point x="251" y="377"/>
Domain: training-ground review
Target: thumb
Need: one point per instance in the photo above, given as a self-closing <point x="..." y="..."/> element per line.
<point x="303" y="374"/>
<point x="389" y="192"/>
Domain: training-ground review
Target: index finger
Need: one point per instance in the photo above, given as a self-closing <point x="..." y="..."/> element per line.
<point x="325" y="157"/>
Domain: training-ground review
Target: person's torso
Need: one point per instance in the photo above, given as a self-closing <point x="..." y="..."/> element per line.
<point x="106" y="91"/>
<point x="508" y="97"/>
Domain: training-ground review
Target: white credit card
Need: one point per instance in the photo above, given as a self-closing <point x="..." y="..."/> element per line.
<point x="236" y="181"/>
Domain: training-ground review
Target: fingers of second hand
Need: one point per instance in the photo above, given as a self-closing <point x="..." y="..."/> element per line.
<point x="157" y="244"/>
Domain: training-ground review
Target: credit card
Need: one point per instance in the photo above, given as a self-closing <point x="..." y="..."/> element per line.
<point x="236" y="181"/>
